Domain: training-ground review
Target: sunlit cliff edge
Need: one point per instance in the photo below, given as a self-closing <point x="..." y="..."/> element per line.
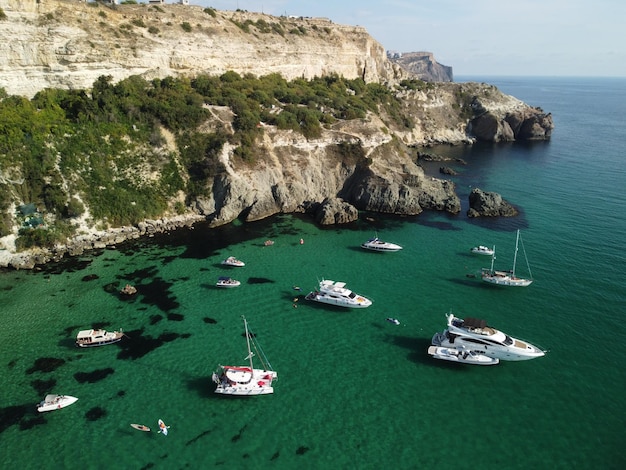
<point x="67" y="44"/>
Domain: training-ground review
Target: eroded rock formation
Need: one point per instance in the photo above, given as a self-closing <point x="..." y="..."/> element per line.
<point x="489" y="204"/>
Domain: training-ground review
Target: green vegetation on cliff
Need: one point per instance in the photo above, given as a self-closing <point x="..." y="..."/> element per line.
<point x="106" y="148"/>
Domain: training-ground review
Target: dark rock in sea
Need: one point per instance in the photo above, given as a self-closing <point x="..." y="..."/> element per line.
<point x="43" y="387"/>
<point x="275" y="456"/>
<point x="158" y="294"/>
<point x="27" y="424"/>
<point x="93" y="376"/>
<point x="211" y="321"/>
<point x="121" y="393"/>
<point x="154" y="319"/>
<point x="95" y="413"/>
<point x="175" y="317"/>
<point x="302" y="450"/>
<point x="447" y="171"/>
<point x="12" y="415"/>
<point x="489" y="204"/>
<point x="112" y="288"/>
<point x="90" y="277"/>
<point x="46" y="364"/>
<point x="138" y="345"/>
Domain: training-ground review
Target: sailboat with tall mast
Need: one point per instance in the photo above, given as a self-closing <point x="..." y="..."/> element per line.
<point x="507" y="278"/>
<point x="246" y="380"/>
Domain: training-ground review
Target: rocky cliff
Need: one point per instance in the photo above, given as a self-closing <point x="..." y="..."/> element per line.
<point x="422" y="65"/>
<point x="69" y="44"/>
<point x="66" y="44"/>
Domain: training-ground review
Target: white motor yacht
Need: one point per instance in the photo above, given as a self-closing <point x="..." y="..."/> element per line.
<point x="55" y="402"/>
<point x="473" y="334"/>
<point x="335" y="293"/>
<point x="462" y="356"/>
<point x="92" y="338"/>
<point x="376" y="244"/>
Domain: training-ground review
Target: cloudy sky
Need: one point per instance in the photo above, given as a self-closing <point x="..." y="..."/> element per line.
<point x="480" y="37"/>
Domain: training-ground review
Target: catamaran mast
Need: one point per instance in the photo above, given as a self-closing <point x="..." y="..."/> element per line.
<point x="248" y="341"/>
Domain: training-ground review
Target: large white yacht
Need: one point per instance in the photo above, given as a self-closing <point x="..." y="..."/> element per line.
<point x="473" y="334"/>
<point x="335" y="293"/>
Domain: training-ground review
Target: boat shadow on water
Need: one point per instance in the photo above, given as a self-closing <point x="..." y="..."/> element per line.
<point x="203" y="386"/>
<point x="417" y="347"/>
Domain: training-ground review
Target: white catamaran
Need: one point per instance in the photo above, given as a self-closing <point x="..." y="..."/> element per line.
<point x="507" y="278"/>
<point x="246" y="380"/>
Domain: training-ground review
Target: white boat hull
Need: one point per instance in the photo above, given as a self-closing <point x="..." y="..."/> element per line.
<point x="55" y="402"/>
<point x="462" y="357"/>
<point x="335" y="293"/>
<point x="486" y="340"/>
<point x="361" y="302"/>
<point x="241" y="382"/>
<point x="482" y="250"/>
<point x="93" y="338"/>
<point x="501" y="278"/>
<point x="379" y="245"/>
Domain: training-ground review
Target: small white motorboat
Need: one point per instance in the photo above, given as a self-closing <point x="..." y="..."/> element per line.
<point x="232" y="261"/>
<point x="395" y="321"/>
<point x="55" y="402"/>
<point x="464" y="356"/>
<point x="99" y="337"/>
<point x="225" y="281"/>
<point x="482" y="250"/>
<point x="376" y="244"/>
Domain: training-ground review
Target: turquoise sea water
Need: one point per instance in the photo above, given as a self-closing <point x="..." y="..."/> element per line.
<point x="354" y="391"/>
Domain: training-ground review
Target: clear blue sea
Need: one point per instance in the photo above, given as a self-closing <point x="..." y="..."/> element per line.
<point x="354" y="391"/>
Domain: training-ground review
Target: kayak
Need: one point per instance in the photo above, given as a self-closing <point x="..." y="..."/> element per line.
<point x="162" y="427"/>
<point x="141" y="427"/>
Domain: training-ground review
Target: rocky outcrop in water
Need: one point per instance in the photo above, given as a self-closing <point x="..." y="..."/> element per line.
<point x="489" y="204"/>
<point x="494" y="124"/>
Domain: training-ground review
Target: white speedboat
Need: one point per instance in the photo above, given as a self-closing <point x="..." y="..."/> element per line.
<point x="506" y="278"/>
<point x="225" y="281"/>
<point x="335" y="293"/>
<point x="246" y="380"/>
<point x="483" y="250"/>
<point x="395" y="321"/>
<point x="473" y="334"/>
<point x="232" y="261"/>
<point x="55" y="402"/>
<point x="99" y="337"/>
<point x="463" y="356"/>
<point x="376" y="244"/>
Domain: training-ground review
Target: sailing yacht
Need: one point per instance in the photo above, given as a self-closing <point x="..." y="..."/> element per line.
<point x="507" y="278"/>
<point x="246" y="380"/>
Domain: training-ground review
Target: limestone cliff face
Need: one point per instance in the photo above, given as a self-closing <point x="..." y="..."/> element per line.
<point x="69" y="44"/>
<point x="423" y="65"/>
<point x="298" y="173"/>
